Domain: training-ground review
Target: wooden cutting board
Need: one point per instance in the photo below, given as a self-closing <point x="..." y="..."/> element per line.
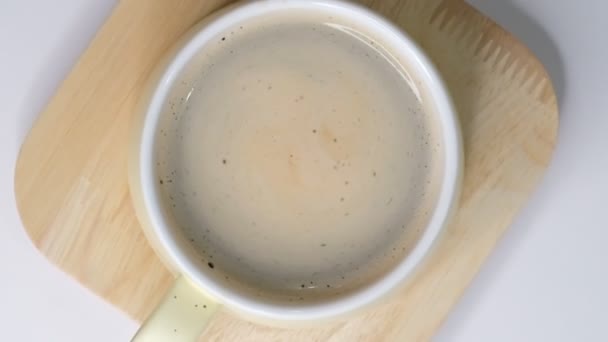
<point x="71" y="176"/>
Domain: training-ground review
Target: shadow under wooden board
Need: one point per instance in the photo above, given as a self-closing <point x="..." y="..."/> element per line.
<point x="71" y="177"/>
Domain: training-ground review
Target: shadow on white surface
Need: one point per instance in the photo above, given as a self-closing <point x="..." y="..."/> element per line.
<point x="547" y="279"/>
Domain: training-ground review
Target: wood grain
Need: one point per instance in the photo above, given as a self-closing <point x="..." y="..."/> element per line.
<point x="71" y="177"/>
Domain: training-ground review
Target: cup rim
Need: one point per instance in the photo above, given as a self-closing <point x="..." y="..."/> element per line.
<point x="448" y="194"/>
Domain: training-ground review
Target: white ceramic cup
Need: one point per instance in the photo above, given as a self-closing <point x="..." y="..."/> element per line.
<point x="195" y="296"/>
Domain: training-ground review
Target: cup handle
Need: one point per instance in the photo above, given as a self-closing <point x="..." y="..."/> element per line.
<point x="182" y="315"/>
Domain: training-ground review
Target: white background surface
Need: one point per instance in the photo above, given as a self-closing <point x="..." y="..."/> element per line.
<point x="546" y="281"/>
